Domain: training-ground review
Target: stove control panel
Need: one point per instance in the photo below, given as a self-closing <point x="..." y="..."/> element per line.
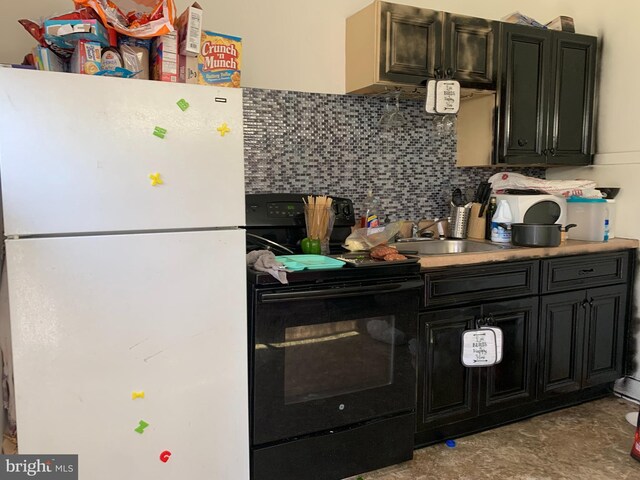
<point x="285" y="209"/>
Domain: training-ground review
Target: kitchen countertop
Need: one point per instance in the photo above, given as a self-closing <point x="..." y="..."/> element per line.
<point x="570" y="247"/>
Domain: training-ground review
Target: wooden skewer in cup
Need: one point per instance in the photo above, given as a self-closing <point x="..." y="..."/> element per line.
<point x="318" y="216"/>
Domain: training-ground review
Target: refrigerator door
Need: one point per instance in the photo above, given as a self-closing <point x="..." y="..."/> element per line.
<point x="77" y="152"/>
<point x="95" y="319"/>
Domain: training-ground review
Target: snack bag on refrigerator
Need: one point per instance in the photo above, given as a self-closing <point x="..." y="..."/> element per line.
<point x="135" y="18"/>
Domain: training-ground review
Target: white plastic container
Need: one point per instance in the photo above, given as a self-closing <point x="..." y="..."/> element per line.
<point x="503" y="215"/>
<point x="589" y="214"/>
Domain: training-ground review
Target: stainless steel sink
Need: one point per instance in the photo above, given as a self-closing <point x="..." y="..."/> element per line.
<point x="444" y="247"/>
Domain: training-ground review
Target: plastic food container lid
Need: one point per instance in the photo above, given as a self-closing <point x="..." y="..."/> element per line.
<point x="585" y="200"/>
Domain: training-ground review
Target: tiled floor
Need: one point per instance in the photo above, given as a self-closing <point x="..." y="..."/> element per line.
<point x="588" y="442"/>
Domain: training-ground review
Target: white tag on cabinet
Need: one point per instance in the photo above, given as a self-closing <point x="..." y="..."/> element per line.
<point x="447" y="93"/>
<point x="479" y="348"/>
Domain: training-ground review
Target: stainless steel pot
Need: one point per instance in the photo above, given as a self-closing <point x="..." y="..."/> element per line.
<point x="537" y="234"/>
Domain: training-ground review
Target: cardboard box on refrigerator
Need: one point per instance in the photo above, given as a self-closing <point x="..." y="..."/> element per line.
<point x="189" y="27"/>
<point x="188" y="69"/>
<point x="86" y="58"/>
<point x="164" y="58"/>
<point x="220" y="60"/>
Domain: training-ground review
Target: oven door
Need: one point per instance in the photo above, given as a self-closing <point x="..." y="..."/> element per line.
<point x="328" y="356"/>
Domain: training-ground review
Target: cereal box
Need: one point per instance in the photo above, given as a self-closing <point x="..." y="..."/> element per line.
<point x="164" y="58"/>
<point x="220" y="60"/>
<point x="86" y="58"/>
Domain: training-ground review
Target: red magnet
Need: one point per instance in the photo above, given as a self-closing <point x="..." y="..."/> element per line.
<point x="164" y="456"/>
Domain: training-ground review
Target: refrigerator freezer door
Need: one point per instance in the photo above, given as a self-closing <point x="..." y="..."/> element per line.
<point x="95" y="319"/>
<point x="77" y="153"/>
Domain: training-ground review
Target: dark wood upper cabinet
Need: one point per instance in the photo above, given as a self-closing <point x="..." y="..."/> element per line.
<point x="389" y="45"/>
<point x="525" y="84"/>
<point x="409" y="43"/>
<point x="571" y="106"/>
<point x="468" y="49"/>
<point x="546" y="97"/>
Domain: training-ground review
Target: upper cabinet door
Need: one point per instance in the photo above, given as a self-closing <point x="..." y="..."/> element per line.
<point x="409" y="43"/>
<point x="469" y="49"/>
<point x="571" y="110"/>
<point x="526" y="57"/>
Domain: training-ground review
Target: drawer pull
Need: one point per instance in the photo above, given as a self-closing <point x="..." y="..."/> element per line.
<point x="585" y="271"/>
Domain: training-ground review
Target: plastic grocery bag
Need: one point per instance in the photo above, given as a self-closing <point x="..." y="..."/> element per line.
<point x="135" y="18"/>
<point x="367" y="238"/>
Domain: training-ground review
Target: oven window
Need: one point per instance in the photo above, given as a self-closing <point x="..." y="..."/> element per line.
<point x="337" y="358"/>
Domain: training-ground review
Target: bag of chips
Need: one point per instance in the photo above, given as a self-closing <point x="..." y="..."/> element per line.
<point x="135" y="18"/>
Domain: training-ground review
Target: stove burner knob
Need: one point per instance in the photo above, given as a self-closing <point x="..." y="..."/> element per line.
<point x="341" y="406"/>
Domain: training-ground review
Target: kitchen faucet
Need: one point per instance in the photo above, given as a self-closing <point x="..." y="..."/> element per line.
<point x="416" y="231"/>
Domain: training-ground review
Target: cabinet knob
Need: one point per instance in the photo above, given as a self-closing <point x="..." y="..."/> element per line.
<point x="591" y="302"/>
<point x="584" y="304"/>
<point x="552" y="151"/>
<point x="522" y="142"/>
<point x="544" y="152"/>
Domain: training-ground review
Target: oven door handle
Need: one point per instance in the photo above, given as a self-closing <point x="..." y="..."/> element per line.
<point x="341" y="292"/>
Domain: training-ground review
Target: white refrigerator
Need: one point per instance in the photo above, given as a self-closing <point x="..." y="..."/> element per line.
<point x="125" y="274"/>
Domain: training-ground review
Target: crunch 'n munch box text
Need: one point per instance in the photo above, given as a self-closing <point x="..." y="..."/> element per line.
<point x="219" y="62"/>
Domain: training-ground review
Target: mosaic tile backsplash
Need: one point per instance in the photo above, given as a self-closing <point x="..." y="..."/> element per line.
<point x="298" y="142"/>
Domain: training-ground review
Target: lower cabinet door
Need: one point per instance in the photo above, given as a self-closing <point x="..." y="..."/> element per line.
<point x="561" y="342"/>
<point x="513" y="381"/>
<point x="447" y="390"/>
<point x="605" y="335"/>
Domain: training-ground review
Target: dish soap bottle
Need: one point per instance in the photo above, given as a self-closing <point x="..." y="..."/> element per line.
<point x="499" y="233"/>
<point x="370" y="217"/>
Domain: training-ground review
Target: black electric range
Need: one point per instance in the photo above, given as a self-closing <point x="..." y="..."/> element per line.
<point x="332" y="355"/>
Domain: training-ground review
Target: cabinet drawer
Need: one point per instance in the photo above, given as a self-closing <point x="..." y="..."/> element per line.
<point x="459" y="285"/>
<point x="572" y="273"/>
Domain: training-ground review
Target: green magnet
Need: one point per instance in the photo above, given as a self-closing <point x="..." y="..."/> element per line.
<point x="141" y="427"/>
<point x="183" y="104"/>
<point x="160" y="132"/>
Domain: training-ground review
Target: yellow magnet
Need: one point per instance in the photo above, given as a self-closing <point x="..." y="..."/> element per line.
<point x="135" y="395"/>
<point x="224" y="129"/>
<point x="155" y="179"/>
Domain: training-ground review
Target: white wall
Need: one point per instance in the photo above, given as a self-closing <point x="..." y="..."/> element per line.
<point x="617" y="161"/>
<point x="288" y="44"/>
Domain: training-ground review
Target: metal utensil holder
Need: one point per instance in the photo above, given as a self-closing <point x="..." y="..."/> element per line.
<point x="459" y="222"/>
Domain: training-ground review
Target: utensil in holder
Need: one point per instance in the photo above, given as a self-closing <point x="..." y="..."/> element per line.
<point x="319" y="218"/>
<point x="459" y="221"/>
